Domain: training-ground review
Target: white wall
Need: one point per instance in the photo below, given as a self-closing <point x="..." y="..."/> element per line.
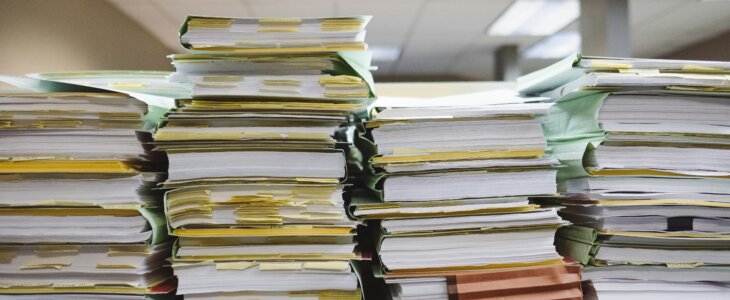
<point x="48" y="35"/>
<point x="437" y="89"/>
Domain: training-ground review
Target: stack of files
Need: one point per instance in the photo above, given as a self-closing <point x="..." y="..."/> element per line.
<point x="78" y="214"/>
<point x="666" y="265"/>
<point x="316" y="75"/>
<point x="646" y="174"/>
<point x="450" y="193"/>
<point x="262" y="35"/>
<point x="257" y="160"/>
<point x="152" y="87"/>
<point x="577" y="75"/>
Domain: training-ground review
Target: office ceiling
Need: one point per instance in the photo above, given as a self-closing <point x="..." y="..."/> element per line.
<point x="441" y="38"/>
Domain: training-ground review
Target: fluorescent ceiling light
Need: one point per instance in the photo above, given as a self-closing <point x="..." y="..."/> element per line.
<point x="535" y="17"/>
<point x="385" y="53"/>
<point x="559" y="45"/>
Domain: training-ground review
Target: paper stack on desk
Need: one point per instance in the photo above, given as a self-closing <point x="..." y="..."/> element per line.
<point x="646" y="148"/>
<point x="78" y="216"/>
<point x="259" y="157"/>
<point x="266" y="35"/>
<point x="450" y="188"/>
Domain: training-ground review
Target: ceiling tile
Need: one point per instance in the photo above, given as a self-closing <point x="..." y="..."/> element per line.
<point x="642" y="12"/>
<point x="459" y="17"/>
<point x="690" y="23"/>
<point x="389" y="17"/>
<point x="179" y="9"/>
<point x="441" y="44"/>
<point x="431" y="51"/>
<point x="291" y="8"/>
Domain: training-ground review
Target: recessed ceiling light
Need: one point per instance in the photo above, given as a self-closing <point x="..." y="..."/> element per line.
<point x="535" y="17"/>
<point x="385" y="53"/>
<point x="558" y="45"/>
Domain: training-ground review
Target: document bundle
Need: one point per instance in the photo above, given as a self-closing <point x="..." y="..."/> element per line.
<point x="266" y="35"/>
<point x="646" y="178"/>
<point x="78" y="214"/>
<point x="449" y="194"/>
<point x="258" y="157"/>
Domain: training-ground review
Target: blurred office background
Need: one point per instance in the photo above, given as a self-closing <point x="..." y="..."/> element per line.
<point x="412" y="40"/>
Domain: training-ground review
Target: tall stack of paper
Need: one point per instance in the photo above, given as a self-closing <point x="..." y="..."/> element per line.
<point x="78" y="216"/>
<point x="450" y="191"/>
<point x="257" y="162"/>
<point x="647" y="178"/>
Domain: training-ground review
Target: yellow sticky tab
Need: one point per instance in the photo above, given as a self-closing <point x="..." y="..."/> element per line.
<point x="283" y="231"/>
<point x="63" y="203"/>
<point x="316" y="180"/>
<point x="450" y="156"/>
<point x="267" y="49"/>
<point x="701" y="69"/>
<point x="68" y="212"/>
<point x="341" y="25"/>
<point x="293" y="266"/>
<point x="210" y="22"/>
<point x="57" y="124"/>
<point x="280" y="21"/>
<point x="127" y="250"/>
<point x="328" y="265"/>
<point x="65" y="166"/>
<point x="45" y="265"/>
<point x="346" y="94"/>
<point x="640" y="71"/>
<point x="237" y="265"/>
<point x="121" y="206"/>
<point x="342" y="21"/>
<point x="339" y="79"/>
<point x="115" y="266"/>
<point x="598" y="64"/>
<point x="281" y="82"/>
<point x="345" y="85"/>
<point x="222" y="78"/>
<point x="684" y="265"/>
